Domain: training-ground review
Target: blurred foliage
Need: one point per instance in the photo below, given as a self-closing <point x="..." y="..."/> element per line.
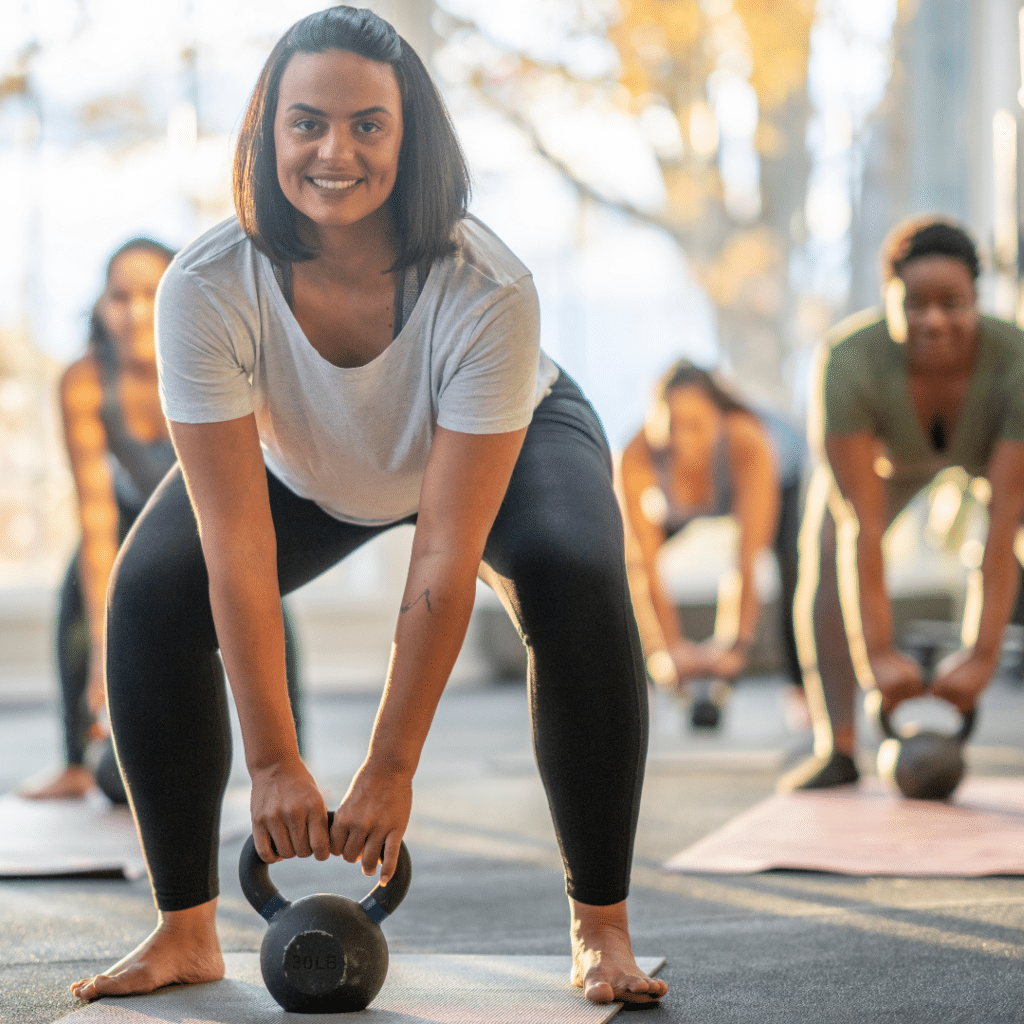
<point x="668" y="53"/>
<point x="669" y="50"/>
<point x="670" y="47"/>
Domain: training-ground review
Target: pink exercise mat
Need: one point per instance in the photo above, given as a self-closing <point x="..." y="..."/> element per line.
<point x="870" y="829"/>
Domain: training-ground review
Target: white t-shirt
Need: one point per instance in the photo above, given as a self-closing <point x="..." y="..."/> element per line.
<point x="354" y="440"/>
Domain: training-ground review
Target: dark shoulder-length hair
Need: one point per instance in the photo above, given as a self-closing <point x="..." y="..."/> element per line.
<point x="99" y="342"/>
<point x="685" y="374"/>
<point x="431" y="191"/>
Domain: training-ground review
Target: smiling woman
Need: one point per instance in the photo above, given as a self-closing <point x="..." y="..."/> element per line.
<point x="948" y="393"/>
<point x="352" y="353"/>
<point x="431" y="187"/>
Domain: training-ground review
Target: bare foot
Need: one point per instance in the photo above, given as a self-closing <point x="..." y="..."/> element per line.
<point x="183" y="950"/>
<point x="602" y="957"/>
<point x="73" y="783"/>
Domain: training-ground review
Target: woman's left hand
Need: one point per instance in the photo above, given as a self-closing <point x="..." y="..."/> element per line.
<point x="720" y="661"/>
<point x="372" y="819"/>
<point x="961" y="676"/>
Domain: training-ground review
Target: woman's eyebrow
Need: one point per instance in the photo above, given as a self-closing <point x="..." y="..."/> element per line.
<point x="306" y="108"/>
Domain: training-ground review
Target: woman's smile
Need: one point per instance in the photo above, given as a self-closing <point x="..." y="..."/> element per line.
<point x="334" y="186"/>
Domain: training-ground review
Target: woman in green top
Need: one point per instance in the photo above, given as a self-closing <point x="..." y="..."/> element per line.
<point x="894" y="404"/>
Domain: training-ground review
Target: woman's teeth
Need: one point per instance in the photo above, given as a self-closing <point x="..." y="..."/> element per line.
<point x="334" y="185"/>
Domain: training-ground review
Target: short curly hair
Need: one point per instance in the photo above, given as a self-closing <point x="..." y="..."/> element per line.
<point x="927" y="236"/>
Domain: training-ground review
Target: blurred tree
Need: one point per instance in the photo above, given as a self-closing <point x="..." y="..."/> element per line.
<point x="719" y="88"/>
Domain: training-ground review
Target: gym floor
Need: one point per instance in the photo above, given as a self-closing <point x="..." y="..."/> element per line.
<point x="775" y="947"/>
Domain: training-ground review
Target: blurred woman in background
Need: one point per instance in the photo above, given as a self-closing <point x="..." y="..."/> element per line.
<point x="119" y="449"/>
<point x="704" y="453"/>
<point x="898" y="395"/>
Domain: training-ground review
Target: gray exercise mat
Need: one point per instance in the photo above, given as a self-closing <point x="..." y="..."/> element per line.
<point x="442" y="989"/>
<point x="45" y="838"/>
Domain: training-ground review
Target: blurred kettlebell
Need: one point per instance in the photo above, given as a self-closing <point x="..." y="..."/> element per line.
<point x="924" y="764"/>
<point x="108" y="775"/>
<point x="707" y="699"/>
<point x="322" y="953"/>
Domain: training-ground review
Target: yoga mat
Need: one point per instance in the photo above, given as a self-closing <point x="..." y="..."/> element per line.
<point x="870" y="829"/>
<point x="438" y="989"/>
<point x="46" y="838"/>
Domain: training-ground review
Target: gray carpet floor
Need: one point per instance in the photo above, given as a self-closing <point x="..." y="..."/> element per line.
<point x="776" y="947"/>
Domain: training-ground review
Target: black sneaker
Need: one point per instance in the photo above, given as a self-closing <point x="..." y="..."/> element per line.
<point x="821" y="773"/>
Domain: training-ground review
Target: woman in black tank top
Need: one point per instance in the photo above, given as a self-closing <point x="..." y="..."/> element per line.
<point x="703" y="453"/>
<point x="119" y="450"/>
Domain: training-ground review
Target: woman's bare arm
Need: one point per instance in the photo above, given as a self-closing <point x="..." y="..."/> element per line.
<point x="224" y="471"/>
<point x="655" y="613"/>
<point x="463" y="487"/>
<point x="999" y="567"/>
<point x="852" y="461"/>
<point x="81" y="398"/>
<point x="756" y="508"/>
<point x="961" y="677"/>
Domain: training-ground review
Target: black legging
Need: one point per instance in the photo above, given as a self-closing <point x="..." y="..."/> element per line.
<point x="785" y="548"/>
<point x="555" y="556"/>
<point x="74" y="652"/>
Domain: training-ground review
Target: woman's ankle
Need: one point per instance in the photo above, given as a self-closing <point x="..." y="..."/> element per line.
<point x="587" y="917"/>
<point x="198" y="920"/>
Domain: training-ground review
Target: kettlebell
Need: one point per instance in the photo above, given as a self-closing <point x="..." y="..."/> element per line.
<point x="925" y="765"/>
<point x="108" y="775"/>
<point x="707" y="699"/>
<point x="322" y="953"/>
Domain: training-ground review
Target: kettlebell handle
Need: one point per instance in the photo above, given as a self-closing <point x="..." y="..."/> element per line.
<point x="965" y="730"/>
<point x="267" y="901"/>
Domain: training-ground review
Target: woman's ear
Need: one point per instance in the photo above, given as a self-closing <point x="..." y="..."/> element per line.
<point x="893" y="295"/>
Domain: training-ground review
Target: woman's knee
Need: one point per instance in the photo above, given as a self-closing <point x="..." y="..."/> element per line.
<point x="569" y="561"/>
<point x="145" y="587"/>
<point x="159" y="581"/>
<point x="569" y="593"/>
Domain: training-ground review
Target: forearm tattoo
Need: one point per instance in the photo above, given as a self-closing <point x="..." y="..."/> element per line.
<point x="425" y="596"/>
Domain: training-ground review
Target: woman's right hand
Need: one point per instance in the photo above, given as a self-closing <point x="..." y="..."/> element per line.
<point x="289" y="816"/>
<point x="897" y="677"/>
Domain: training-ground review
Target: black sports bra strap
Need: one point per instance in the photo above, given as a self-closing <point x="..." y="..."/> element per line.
<point x="407" y="290"/>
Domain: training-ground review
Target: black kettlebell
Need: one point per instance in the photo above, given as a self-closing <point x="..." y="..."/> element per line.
<point x="322" y="953"/>
<point x="925" y="765"/>
<point x="707" y="699"/>
<point x="108" y="775"/>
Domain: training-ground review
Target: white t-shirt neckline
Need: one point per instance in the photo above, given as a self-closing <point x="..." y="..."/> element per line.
<point x="290" y="320"/>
